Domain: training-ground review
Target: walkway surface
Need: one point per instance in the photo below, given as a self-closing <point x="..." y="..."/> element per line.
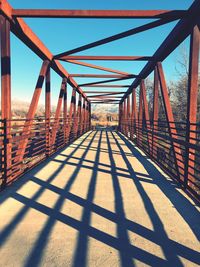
<point x="99" y="202"/>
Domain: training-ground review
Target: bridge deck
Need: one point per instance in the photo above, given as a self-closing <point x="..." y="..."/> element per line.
<point x="99" y="202"/>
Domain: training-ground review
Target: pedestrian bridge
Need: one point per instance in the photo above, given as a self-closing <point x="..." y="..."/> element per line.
<point x="75" y="195"/>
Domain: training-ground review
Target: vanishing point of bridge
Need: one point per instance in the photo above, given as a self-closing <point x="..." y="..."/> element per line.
<point x="75" y="195"/>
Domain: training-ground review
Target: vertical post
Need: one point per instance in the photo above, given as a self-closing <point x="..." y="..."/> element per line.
<point x="155" y="113"/>
<point x="6" y="96"/>
<point x="119" y="116"/>
<point x="140" y="119"/>
<point x="86" y="117"/>
<point x="83" y="118"/>
<point x="65" y="112"/>
<point x="125" y="111"/>
<point x="57" y="114"/>
<point x="79" y="115"/>
<point x="48" y="112"/>
<point x="171" y="124"/>
<point x="89" y="115"/>
<point x="192" y="105"/>
<point x="71" y="110"/>
<point x="128" y="115"/>
<point x="146" y="114"/>
<point x="134" y="114"/>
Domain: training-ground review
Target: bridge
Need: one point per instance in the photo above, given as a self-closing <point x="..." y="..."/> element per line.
<point x="76" y="195"/>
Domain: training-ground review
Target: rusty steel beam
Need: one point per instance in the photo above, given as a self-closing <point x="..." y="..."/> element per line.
<point x="110" y="58"/>
<point x="107" y="86"/>
<point x="182" y="29"/>
<point x="32" y="110"/>
<point x="110" y="103"/>
<point x="85" y="64"/>
<point x="155" y="113"/>
<point x="170" y="120"/>
<point x="106" y="81"/>
<point x="6" y="113"/>
<point x="58" y="111"/>
<point x="117" y="76"/>
<point x="107" y="94"/>
<point x="98" y="14"/>
<point x="29" y="38"/>
<point x="192" y="99"/>
<point x="104" y="92"/>
<point x="146" y="113"/>
<point x="118" y="36"/>
<point x="134" y="114"/>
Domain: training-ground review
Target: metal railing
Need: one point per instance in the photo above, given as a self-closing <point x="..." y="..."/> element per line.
<point x="23" y="147"/>
<point x="177" y="153"/>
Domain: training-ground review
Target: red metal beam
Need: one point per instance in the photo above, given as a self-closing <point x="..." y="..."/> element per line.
<point x="98" y="14"/>
<point x="171" y="124"/>
<point x="104" y="92"/>
<point x="96" y="67"/>
<point x="32" y="110"/>
<point x="192" y="99"/>
<point x="110" y="58"/>
<point x="6" y="113"/>
<point x="58" y="111"/>
<point x="106" y="81"/>
<point x="103" y="76"/>
<point x="155" y="113"/>
<point x="108" y="86"/>
<point x="117" y="36"/>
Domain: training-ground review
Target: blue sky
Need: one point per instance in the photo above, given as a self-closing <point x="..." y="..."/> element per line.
<point x="63" y="34"/>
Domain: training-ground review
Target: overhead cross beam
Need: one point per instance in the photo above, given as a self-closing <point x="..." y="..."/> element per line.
<point x="118" y="36"/>
<point x="105" y="58"/>
<point x="117" y="76"/>
<point x="108" y="86"/>
<point x="98" y="14"/>
<point x="96" y="67"/>
<point x="106" y="81"/>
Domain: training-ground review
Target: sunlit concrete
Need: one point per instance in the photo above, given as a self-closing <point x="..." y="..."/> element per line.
<point x="99" y="202"/>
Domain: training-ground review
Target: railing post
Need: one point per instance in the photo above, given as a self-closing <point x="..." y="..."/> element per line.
<point x="48" y="112"/>
<point x="128" y="115"/>
<point x="192" y="97"/>
<point x="65" y="113"/>
<point x="155" y="113"/>
<point x="140" y="119"/>
<point x="5" y="159"/>
<point x="6" y="95"/>
<point x="134" y="115"/>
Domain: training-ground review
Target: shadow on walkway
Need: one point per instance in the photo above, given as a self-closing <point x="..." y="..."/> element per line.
<point x="93" y="158"/>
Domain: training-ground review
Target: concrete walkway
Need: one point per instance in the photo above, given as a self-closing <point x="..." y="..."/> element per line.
<point x="100" y="202"/>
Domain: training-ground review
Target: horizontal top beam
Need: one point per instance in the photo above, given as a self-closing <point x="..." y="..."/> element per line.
<point x="112" y="58"/>
<point x="97" y="14"/>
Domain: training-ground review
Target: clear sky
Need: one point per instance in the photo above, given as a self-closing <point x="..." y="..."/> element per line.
<point x="60" y="35"/>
